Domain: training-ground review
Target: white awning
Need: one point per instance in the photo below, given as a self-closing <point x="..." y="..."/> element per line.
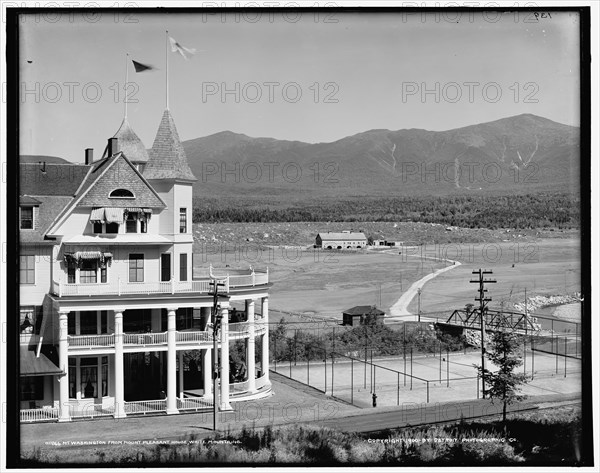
<point x="97" y="215"/>
<point x="113" y="215"/>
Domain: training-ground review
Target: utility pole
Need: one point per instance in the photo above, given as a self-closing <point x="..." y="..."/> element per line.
<point x="483" y="301"/>
<point x="419" y="304"/>
<point x="216" y="323"/>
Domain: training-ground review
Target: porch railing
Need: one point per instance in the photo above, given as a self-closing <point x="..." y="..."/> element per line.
<point x="145" y="407"/>
<point x="238" y="387"/>
<point x="90" y="410"/>
<point x="193" y="404"/>
<point x="40" y="415"/>
<point x="118" y="286"/>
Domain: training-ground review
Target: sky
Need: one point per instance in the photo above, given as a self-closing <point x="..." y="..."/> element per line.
<point x="305" y="77"/>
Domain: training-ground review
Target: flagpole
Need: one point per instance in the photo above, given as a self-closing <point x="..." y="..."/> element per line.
<point x="126" y="81"/>
<point x="167" y="69"/>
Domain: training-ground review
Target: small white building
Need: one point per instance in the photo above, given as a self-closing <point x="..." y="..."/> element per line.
<point x="341" y="240"/>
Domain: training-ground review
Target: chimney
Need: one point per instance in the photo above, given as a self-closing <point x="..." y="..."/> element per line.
<point x="89" y="156"/>
<point x="113" y="146"/>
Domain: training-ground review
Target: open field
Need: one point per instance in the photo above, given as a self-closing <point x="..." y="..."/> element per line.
<point x="543" y="267"/>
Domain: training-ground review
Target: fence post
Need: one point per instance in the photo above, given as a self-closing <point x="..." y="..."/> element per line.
<point x="332" y="372"/>
<point x="352" y="381"/>
<point x="565" y="356"/>
<point x="440" y="362"/>
<point x="427" y="392"/>
<point x="557" y="354"/>
<point x="411" y="367"/>
<point x="398" y="389"/>
<point x="374" y="379"/>
<point x="477" y="386"/>
<point x="576" y="337"/>
<point x="275" y="354"/>
<point x="308" y="370"/>
<point x="447" y="367"/>
<point x="532" y="357"/>
<point x="325" y="366"/>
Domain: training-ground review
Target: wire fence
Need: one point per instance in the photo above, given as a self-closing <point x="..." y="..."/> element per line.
<point x="420" y="368"/>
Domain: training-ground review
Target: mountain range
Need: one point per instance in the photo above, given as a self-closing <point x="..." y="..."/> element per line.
<point x="523" y="153"/>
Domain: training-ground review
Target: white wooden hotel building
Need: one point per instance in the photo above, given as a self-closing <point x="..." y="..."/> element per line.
<point x="113" y="320"/>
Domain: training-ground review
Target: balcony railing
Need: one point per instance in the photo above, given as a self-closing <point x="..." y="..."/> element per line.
<point x="120" y="287"/>
<point x="91" y="341"/>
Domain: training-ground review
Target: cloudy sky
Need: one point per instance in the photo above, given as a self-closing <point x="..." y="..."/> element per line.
<point x="301" y="77"/>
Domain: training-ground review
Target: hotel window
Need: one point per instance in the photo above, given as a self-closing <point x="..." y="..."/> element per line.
<point x="89" y="377"/>
<point x="26" y="218"/>
<point x="72" y="378"/>
<point x="88" y="274"/>
<point x="71" y="269"/>
<point x="143" y="226"/>
<point x="131" y="222"/>
<point x="27" y="320"/>
<point x="112" y="227"/>
<point x="136" y="267"/>
<point x="183" y="220"/>
<point x="183" y="267"/>
<point x="32" y="388"/>
<point x="27" y="269"/>
<point x="121" y="194"/>
<point x="104" y="321"/>
<point x="98" y="227"/>
<point x="88" y="323"/>
<point x="105" y="375"/>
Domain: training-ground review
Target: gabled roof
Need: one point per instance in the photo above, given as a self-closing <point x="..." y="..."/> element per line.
<point x="167" y="156"/>
<point x="130" y="143"/>
<point x="342" y="236"/>
<point x="98" y="171"/>
<point x="363" y="310"/>
<point x="51" y="179"/>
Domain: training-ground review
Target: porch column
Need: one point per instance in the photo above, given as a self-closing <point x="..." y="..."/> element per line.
<point x="265" y="339"/>
<point x="180" y="355"/>
<point x="207" y="372"/>
<point x="63" y="361"/>
<point x="171" y="364"/>
<point x="250" y="368"/>
<point x="119" y="377"/>
<point x="225" y="406"/>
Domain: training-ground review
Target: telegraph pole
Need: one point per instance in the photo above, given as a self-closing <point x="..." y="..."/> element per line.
<point x="419" y="307"/>
<point x="483" y="301"/>
<point x="216" y="323"/>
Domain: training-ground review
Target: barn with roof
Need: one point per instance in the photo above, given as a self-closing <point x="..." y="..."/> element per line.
<point x="341" y="240"/>
<point x="361" y="314"/>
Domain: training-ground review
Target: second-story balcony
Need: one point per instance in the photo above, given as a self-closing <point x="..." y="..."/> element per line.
<point x="158" y="340"/>
<point x="234" y="279"/>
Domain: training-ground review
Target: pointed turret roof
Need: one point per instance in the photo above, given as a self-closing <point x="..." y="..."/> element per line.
<point x="130" y="143"/>
<point x="167" y="156"/>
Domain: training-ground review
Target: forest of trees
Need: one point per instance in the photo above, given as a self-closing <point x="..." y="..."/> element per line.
<point x="519" y="211"/>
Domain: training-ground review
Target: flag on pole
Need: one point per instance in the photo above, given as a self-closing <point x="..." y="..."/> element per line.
<point x="139" y="67"/>
<point x="178" y="48"/>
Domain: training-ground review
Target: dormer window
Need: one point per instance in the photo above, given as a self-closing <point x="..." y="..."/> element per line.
<point x="121" y="194"/>
<point x="26" y="218"/>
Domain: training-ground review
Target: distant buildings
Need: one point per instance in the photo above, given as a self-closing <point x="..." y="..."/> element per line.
<point x="341" y="240"/>
<point x="360" y="314"/>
